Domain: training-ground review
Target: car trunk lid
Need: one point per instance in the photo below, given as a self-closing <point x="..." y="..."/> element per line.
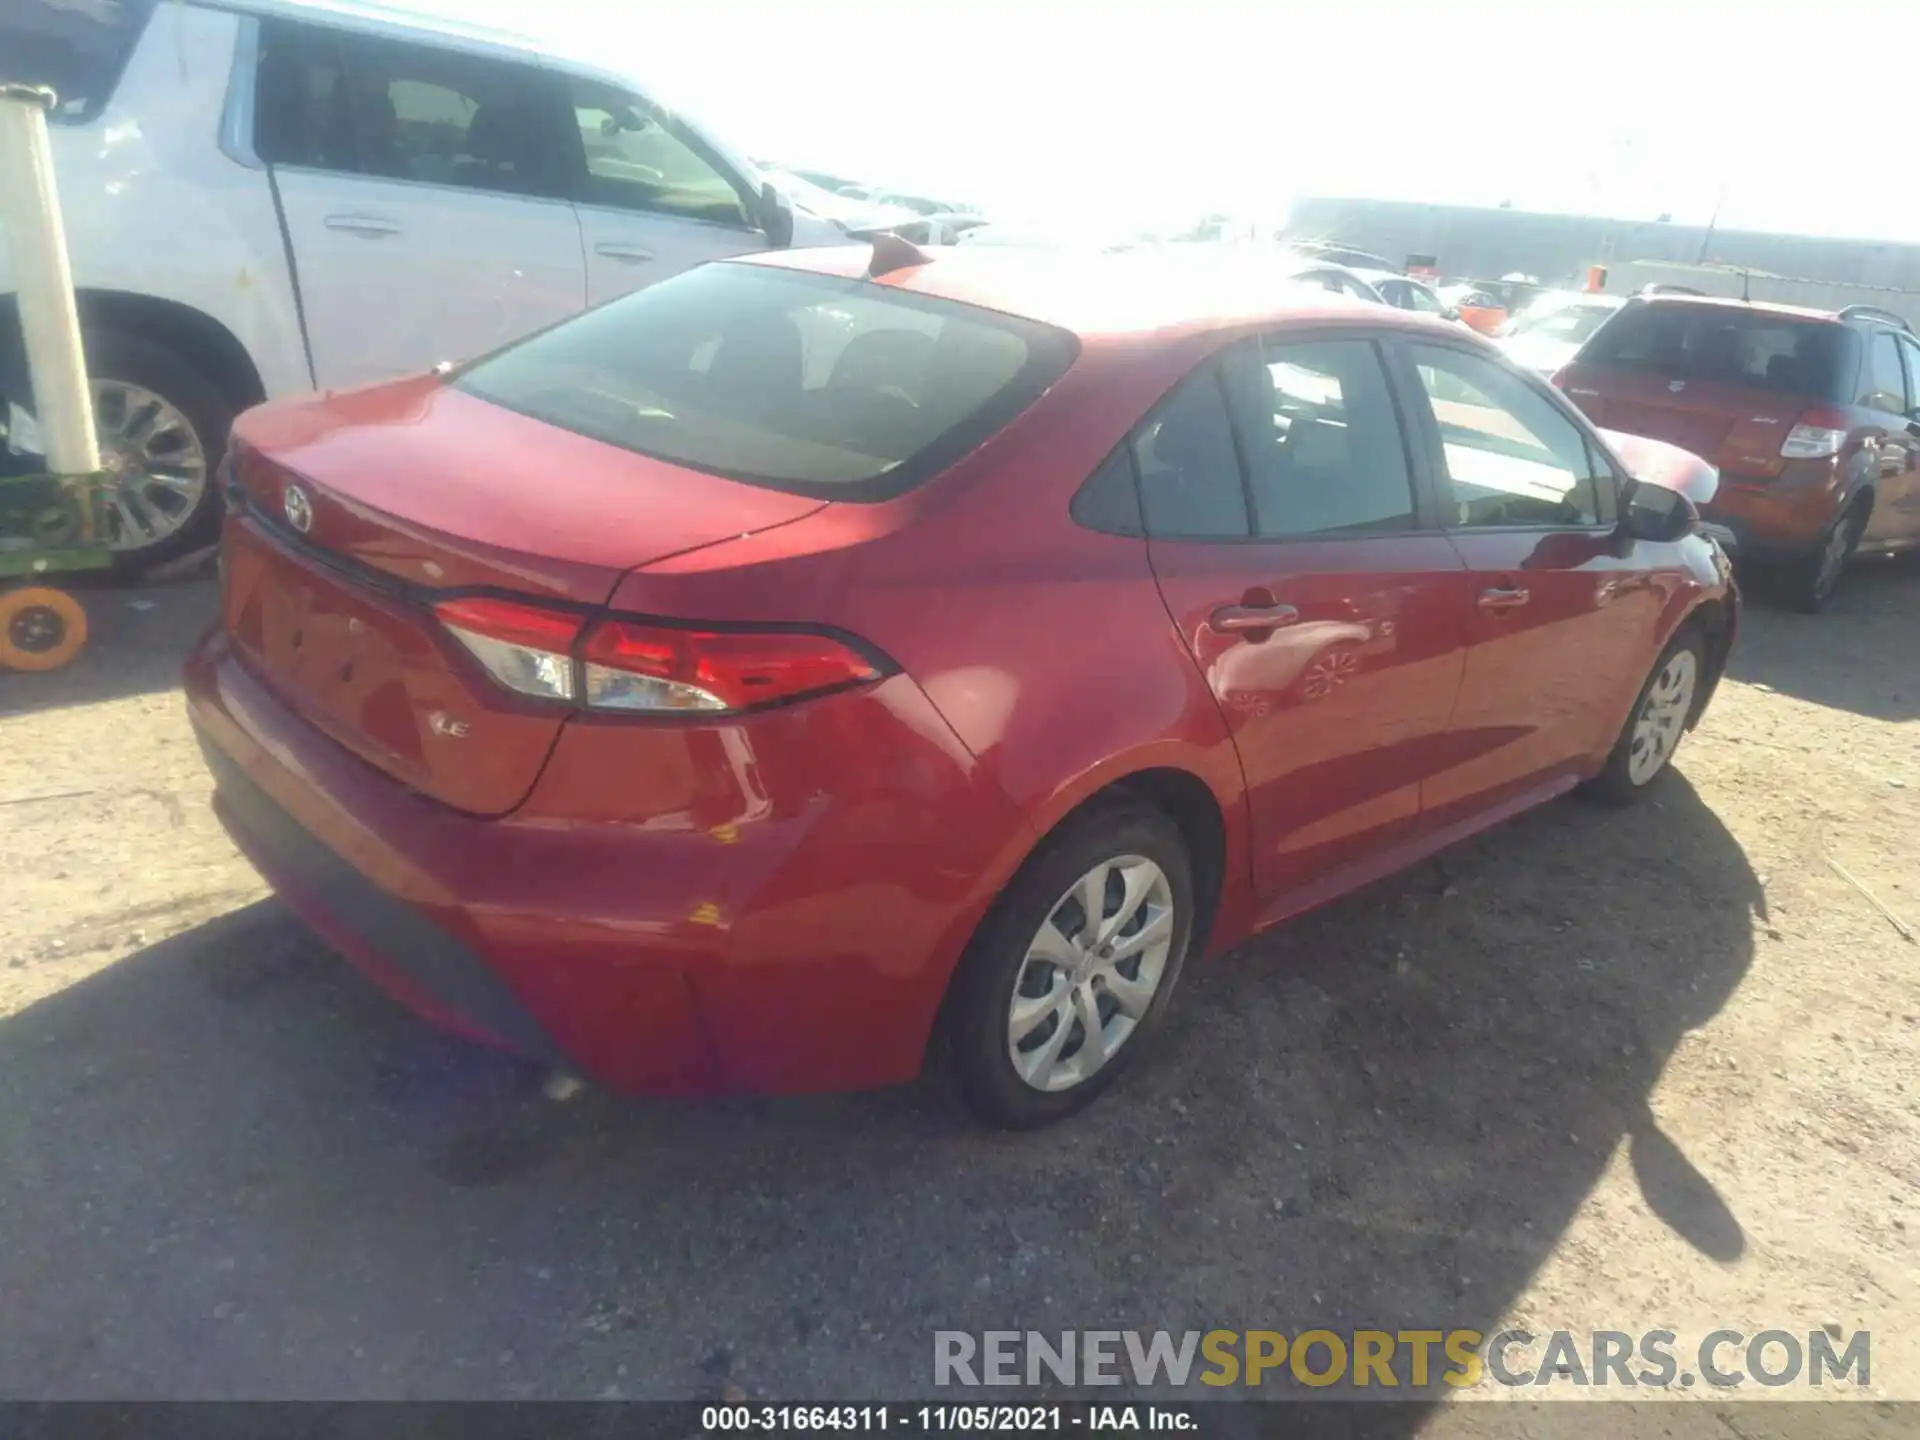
<point x="355" y="512"/>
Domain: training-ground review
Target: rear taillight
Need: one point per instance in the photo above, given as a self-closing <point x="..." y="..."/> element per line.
<point x="527" y="649"/>
<point x="640" y="667"/>
<point x="1815" y="436"/>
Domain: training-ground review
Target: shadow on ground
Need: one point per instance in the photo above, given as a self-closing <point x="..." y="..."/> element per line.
<point x="138" y="636"/>
<point x="1857" y="656"/>
<point x="233" y="1169"/>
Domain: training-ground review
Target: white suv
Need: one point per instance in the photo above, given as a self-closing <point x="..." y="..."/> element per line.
<point x="265" y="197"/>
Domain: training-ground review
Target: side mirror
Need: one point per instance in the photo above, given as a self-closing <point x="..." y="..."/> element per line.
<point x="776" y="217"/>
<point x="623" y="117"/>
<point x="1653" y="512"/>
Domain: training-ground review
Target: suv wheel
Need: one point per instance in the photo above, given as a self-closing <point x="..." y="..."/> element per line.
<point x="1810" y="582"/>
<point x="162" y="426"/>
<point x="1073" y="966"/>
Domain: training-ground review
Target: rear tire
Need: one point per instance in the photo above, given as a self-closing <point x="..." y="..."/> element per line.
<point x="1657" y="722"/>
<point x="1808" y="584"/>
<point x="122" y="364"/>
<point x="1037" y="969"/>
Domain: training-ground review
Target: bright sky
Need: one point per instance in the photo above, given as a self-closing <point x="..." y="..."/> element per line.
<point x="1152" y="112"/>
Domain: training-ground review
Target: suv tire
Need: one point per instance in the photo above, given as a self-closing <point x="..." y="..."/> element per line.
<point x="1808" y="584"/>
<point x="124" y="368"/>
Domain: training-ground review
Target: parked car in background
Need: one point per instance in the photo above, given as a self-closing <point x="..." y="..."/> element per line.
<point x="1476" y="305"/>
<point x="329" y="195"/>
<point x="1339" y="254"/>
<point x="1813" y="418"/>
<point x="853" y="217"/>
<point x="1336" y="279"/>
<point x="1546" y="335"/>
<point x="724" y="688"/>
<point x="1403" y="292"/>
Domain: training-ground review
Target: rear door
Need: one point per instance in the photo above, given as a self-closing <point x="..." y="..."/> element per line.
<point x="652" y="199"/>
<point x="1323" y="608"/>
<point x="1724" y="381"/>
<point x="1559" y="626"/>
<point x="421" y="195"/>
<point x="1894" y="362"/>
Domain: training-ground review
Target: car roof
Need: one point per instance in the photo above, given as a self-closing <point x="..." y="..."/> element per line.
<point x="1132" y="293"/>
<point x="369" y="14"/>
<point x="1724" y="302"/>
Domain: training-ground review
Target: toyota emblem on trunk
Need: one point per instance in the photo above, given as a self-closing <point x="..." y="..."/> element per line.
<point x="298" y="507"/>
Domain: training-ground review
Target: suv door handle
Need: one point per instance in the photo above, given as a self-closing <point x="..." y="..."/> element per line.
<point x="1504" y="598"/>
<point x="1229" y="618"/>
<point x="371" y="227"/>
<point x="631" y="254"/>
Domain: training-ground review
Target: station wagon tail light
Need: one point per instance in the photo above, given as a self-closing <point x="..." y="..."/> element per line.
<point x="1817" y="435"/>
<point x="635" y="667"/>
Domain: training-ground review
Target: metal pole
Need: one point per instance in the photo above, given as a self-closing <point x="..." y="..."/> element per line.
<point x="30" y="215"/>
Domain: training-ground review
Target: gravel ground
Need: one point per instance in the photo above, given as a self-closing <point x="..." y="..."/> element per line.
<point x="1594" y="1069"/>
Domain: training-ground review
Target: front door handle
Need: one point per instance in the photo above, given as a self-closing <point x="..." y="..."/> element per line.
<point x="630" y="254"/>
<point x="1230" y="618"/>
<point x="1499" y="598"/>
<point x="370" y="227"/>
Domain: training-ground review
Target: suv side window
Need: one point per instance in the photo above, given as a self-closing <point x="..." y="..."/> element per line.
<point x="631" y="158"/>
<point x="1509" y="457"/>
<point x="1321" y="438"/>
<point x="78" y="50"/>
<point x="1910" y="348"/>
<point x="364" y="105"/>
<point x="1189" y="473"/>
<point x="1882" y="385"/>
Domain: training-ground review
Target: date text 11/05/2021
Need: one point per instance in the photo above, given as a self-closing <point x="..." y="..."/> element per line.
<point x="959" y="1419"/>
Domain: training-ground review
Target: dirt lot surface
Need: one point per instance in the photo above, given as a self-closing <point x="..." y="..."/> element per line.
<point x="1595" y="1069"/>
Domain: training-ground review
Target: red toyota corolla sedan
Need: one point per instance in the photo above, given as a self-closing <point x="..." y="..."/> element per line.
<point x="736" y="685"/>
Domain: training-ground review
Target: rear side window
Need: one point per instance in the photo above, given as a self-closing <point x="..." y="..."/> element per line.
<point x="1189" y="472"/>
<point x="1750" y="348"/>
<point x="813" y="384"/>
<point x="1883" y="386"/>
<point x="364" y="105"/>
<point x="1321" y="438"/>
<point x="78" y="50"/>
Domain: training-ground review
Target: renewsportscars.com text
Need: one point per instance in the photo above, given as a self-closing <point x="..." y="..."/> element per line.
<point x="1385" y="1360"/>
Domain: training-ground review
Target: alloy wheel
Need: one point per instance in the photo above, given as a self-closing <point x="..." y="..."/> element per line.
<point x="1090" y="973"/>
<point x="156" y="465"/>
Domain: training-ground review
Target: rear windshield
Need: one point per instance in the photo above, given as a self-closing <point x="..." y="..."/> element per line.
<point x="807" y="383"/>
<point x="1750" y="348"/>
<point x="76" y="49"/>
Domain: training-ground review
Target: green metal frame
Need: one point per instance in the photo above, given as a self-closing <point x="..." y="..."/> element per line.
<point x="50" y="524"/>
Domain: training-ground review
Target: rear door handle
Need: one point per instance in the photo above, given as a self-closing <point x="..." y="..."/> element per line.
<point x="630" y="254"/>
<point x="1504" y="599"/>
<point x="371" y="227"/>
<point x="1229" y="618"/>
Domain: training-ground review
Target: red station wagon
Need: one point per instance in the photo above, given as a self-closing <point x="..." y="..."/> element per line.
<point x="737" y="684"/>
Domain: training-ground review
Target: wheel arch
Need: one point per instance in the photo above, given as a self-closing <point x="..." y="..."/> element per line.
<point x="181" y="328"/>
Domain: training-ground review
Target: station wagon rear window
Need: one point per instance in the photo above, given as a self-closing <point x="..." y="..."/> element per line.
<point x="1756" y="349"/>
<point x="76" y="47"/>
<point x="813" y="384"/>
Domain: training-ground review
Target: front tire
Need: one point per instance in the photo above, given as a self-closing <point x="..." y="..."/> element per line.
<point x="1656" y="723"/>
<point x="1073" y="966"/>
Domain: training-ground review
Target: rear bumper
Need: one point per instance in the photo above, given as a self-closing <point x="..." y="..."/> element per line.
<point x="804" y="944"/>
<point x="1782" y="519"/>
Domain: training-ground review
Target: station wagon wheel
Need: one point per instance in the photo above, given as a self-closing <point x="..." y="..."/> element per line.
<point x="1657" y="722"/>
<point x="1073" y="966"/>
